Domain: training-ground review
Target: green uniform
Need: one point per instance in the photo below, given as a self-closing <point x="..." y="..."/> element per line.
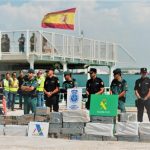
<point x="30" y="98"/>
<point x="118" y="87"/>
<point x="68" y="85"/>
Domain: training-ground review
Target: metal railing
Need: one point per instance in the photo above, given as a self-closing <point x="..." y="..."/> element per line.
<point x="58" y="45"/>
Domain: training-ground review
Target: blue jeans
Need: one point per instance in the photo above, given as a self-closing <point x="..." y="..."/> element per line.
<point x="121" y="106"/>
<point x="6" y="94"/>
<point x="20" y="98"/>
<point x="40" y="99"/>
<point x="12" y="99"/>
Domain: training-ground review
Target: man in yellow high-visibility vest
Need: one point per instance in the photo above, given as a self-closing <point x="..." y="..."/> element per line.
<point x="5" y="85"/>
<point x="14" y="85"/>
<point x="40" y="89"/>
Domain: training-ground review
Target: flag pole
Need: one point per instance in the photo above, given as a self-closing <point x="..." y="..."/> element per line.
<point x="79" y="23"/>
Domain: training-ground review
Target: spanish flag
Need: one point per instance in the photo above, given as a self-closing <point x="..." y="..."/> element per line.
<point x="61" y="19"/>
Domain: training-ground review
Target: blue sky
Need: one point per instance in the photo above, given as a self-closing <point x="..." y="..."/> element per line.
<point x="122" y="21"/>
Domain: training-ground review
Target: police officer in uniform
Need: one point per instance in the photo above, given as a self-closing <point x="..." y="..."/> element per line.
<point x="51" y="89"/>
<point x="94" y="85"/>
<point x="68" y="83"/>
<point x="142" y="92"/>
<point x="119" y="87"/>
<point x="21" y="41"/>
<point x="29" y="93"/>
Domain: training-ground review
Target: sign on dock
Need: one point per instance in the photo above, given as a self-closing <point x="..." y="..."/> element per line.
<point x="103" y="105"/>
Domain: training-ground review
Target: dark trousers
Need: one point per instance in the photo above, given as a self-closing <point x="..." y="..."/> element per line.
<point x="140" y="108"/>
<point x="87" y="105"/>
<point x="21" y="47"/>
<point x="20" y="98"/>
<point x="53" y="103"/>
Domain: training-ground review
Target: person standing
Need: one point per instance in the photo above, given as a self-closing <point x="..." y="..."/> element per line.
<point x="5" y="85"/>
<point x="21" y="80"/>
<point x="33" y="42"/>
<point x="21" y="41"/>
<point x="29" y="93"/>
<point x="14" y="85"/>
<point x="119" y="87"/>
<point x="40" y="89"/>
<point x="68" y="83"/>
<point x="142" y="92"/>
<point x="51" y="89"/>
<point x="7" y="43"/>
<point x="94" y="85"/>
<point x="3" y="40"/>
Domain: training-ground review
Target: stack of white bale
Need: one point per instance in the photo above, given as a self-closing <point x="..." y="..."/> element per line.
<point x="15" y="130"/>
<point x="127" y="131"/>
<point x="74" y="122"/>
<point x="144" y="131"/>
<point x="55" y="123"/>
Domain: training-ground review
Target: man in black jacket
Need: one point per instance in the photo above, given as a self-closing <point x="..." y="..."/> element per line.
<point x="142" y="92"/>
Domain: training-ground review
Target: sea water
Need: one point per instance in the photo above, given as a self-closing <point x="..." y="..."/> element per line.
<point x="130" y="96"/>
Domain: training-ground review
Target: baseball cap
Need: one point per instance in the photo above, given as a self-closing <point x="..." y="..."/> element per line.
<point x="67" y="73"/>
<point x="143" y="70"/>
<point x="92" y="70"/>
<point x="117" y="71"/>
<point x="31" y="71"/>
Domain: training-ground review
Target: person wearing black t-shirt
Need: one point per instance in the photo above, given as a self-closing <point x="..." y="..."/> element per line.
<point x="51" y="90"/>
<point x="142" y="92"/>
<point x="94" y="85"/>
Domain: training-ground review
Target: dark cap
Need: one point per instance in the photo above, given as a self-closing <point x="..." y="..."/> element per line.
<point x="117" y="71"/>
<point x="31" y="71"/>
<point x="92" y="70"/>
<point x="143" y="70"/>
<point x="67" y="73"/>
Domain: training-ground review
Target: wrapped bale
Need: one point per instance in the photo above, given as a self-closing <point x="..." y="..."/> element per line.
<point x="130" y="138"/>
<point x="91" y="137"/>
<point x="25" y="119"/>
<point x="15" y="130"/>
<point x="144" y="131"/>
<point x="1" y="130"/>
<point x="55" y="128"/>
<point x="127" y="129"/>
<point x="2" y="120"/>
<point x="41" y="118"/>
<point x="75" y="137"/>
<point x="56" y="117"/>
<point x="109" y="138"/>
<point x="76" y="116"/>
<point x="99" y="129"/>
<point x="10" y="120"/>
<point x="79" y="125"/>
<point x="99" y="119"/>
<point x="42" y="111"/>
<point x="127" y="117"/>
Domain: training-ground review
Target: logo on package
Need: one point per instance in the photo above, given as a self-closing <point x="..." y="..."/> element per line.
<point x="74" y="97"/>
<point x="103" y="104"/>
<point x="38" y="131"/>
